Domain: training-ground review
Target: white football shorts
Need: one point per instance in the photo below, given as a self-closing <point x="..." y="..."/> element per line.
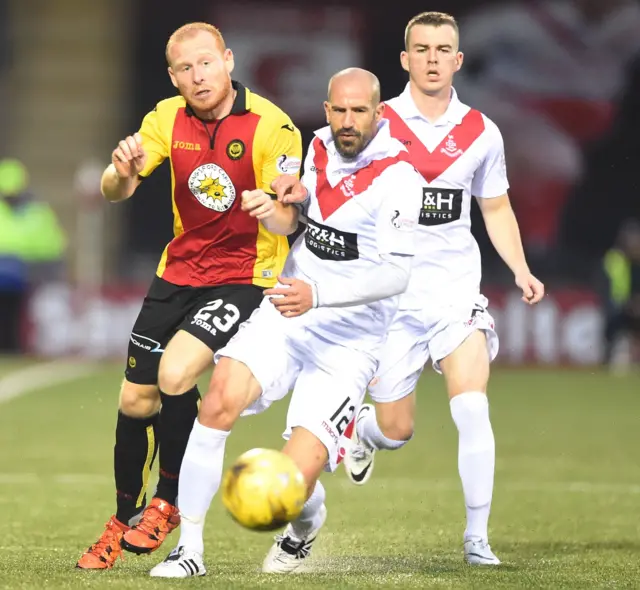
<point x="417" y="335"/>
<point x="328" y="379"/>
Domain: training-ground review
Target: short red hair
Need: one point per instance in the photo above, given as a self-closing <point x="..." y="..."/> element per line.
<point x="190" y="30"/>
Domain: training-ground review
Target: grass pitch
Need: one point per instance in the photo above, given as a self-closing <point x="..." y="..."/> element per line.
<point x="565" y="512"/>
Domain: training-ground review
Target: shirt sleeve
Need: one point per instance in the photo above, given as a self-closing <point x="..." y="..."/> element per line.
<point x="283" y="152"/>
<point x="399" y="211"/>
<point x="153" y="142"/>
<point x="308" y="180"/>
<point x="389" y="278"/>
<point x="490" y="179"/>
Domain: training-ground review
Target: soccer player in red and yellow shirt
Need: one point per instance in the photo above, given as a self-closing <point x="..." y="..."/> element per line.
<point x="223" y="142"/>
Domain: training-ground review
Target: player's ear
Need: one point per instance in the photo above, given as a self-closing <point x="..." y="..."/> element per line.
<point x="172" y="76"/>
<point x="404" y="60"/>
<point x="229" y="61"/>
<point x="459" y="60"/>
<point x="327" y="109"/>
<point x="379" y="111"/>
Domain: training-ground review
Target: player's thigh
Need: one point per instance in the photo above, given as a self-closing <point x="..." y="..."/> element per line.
<point x="467" y="367"/>
<point x="462" y="346"/>
<point x="326" y="397"/>
<point x="138" y="401"/>
<point x="213" y="319"/>
<point x="402" y="360"/>
<point x="233" y="388"/>
<point x="163" y="309"/>
<point x="183" y="361"/>
<point x="262" y="347"/>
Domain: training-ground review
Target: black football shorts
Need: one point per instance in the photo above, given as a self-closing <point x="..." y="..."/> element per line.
<point x="211" y="314"/>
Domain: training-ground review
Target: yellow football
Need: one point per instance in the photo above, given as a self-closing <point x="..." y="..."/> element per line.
<point x="264" y="490"/>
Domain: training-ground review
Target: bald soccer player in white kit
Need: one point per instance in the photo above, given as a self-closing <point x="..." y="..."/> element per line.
<point x="319" y="332"/>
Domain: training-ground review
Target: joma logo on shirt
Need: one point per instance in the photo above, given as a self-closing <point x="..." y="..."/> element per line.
<point x="186" y="145"/>
<point x="328" y="243"/>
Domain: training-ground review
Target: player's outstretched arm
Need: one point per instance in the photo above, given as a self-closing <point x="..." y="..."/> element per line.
<point x="120" y="179"/>
<point x="389" y="278"/>
<point x="503" y="230"/>
<point x="277" y="218"/>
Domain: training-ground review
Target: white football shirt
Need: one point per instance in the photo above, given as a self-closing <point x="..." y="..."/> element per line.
<point x="461" y="155"/>
<point x="359" y="210"/>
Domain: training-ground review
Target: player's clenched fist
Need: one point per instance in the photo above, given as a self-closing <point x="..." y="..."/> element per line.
<point x="258" y="204"/>
<point x="129" y="157"/>
<point x="289" y="189"/>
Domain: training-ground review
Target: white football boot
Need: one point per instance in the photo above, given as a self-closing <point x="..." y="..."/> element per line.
<point x="358" y="460"/>
<point x="478" y="552"/>
<point x="289" y="553"/>
<point x="180" y="563"/>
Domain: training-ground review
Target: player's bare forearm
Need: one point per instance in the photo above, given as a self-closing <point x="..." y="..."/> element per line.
<point x="283" y="221"/>
<point x="503" y="230"/>
<point x="114" y="188"/>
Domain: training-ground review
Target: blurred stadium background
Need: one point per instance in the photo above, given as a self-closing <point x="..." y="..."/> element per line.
<point x="76" y="76"/>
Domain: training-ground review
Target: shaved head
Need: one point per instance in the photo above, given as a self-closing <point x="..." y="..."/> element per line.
<point x="353" y="110"/>
<point x="356" y="77"/>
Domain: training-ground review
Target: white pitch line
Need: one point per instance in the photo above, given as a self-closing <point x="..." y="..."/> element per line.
<point x="42" y="376"/>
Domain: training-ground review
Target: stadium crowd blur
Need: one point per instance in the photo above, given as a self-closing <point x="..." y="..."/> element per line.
<point x="561" y="78"/>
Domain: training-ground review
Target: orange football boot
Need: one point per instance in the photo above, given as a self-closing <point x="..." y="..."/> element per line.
<point x="158" y="520"/>
<point x="103" y="553"/>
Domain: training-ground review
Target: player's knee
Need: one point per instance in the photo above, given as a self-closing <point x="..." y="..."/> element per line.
<point x="174" y="377"/>
<point x="396" y="419"/>
<point x="139" y="401"/>
<point x="398" y="429"/>
<point x="228" y="395"/>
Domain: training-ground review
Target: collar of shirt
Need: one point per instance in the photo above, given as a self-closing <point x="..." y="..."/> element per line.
<point x="407" y="109"/>
<point x="381" y="146"/>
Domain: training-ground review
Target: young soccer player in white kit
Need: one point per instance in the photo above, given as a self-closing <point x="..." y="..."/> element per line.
<point x="442" y="315"/>
<point x="321" y="331"/>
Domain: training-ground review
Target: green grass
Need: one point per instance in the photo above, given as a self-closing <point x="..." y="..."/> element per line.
<point x="565" y="514"/>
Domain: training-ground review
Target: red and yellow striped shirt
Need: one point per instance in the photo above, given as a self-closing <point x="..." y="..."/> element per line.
<point x="215" y="242"/>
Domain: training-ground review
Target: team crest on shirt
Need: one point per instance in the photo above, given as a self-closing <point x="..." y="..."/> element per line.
<point x="235" y="149"/>
<point x="451" y="148"/>
<point x="213" y="188"/>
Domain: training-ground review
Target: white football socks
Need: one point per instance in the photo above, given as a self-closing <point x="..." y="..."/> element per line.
<point x="310" y="517"/>
<point x="200" y="477"/>
<point x="476" y="459"/>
